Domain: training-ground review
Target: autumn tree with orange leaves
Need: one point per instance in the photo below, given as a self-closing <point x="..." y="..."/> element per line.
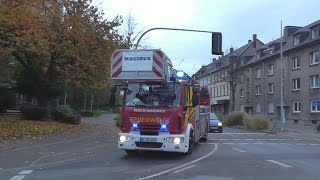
<point x="53" y="43"/>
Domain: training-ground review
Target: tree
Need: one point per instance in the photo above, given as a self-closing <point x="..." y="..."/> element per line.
<point x="132" y="32"/>
<point x="58" y="43"/>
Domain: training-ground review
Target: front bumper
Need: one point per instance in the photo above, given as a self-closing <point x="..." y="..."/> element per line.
<point x="215" y="128"/>
<point x="160" y="142"/>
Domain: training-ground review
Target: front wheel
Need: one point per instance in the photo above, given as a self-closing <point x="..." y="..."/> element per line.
<point x="191" y="144"/>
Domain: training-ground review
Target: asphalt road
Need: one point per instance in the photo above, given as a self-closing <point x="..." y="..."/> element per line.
<point x="234" y="154"/>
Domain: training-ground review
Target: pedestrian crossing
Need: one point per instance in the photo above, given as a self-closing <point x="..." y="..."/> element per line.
<point x="260" y="141"/>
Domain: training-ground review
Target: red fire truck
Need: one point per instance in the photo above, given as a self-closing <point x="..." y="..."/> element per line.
<point x="161" y="108"/>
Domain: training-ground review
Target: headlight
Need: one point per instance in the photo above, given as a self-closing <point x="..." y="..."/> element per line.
<point x="124" y="138"/>
<point x="219" y="124"/>
<point x="177" y="140"/>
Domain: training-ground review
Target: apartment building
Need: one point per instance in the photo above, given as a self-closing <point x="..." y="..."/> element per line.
<point x="216" y="75"/>
<point x="257" y="86"/>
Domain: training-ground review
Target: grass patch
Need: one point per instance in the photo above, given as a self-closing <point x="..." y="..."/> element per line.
<point x="14" y="127"/>
<point x="97" y="113"/>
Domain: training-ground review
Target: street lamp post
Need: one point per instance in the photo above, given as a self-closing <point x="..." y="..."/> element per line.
<point x="282" y="113"/>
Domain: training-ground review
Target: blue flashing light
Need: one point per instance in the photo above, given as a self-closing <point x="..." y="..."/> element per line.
<point x="180" y="74"/>
<point x="135" y="125"/>
<point x="163" y="126"/>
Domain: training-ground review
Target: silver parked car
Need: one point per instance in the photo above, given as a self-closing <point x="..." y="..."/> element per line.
<point x="215" y="123"/>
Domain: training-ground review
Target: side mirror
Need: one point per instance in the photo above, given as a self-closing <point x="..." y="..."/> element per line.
<point x="195" y="100"/>
<point x="195" y="89"/>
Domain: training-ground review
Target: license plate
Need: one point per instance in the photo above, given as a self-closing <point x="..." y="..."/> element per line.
<point x="214" y="127"/>
<point x="146" y="139"/>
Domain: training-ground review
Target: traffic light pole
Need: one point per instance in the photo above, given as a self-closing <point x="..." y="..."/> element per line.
<point x="172" y="29"/>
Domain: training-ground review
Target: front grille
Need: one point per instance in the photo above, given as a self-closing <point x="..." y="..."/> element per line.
<point x="149" y="144"/>
<point x="152" y="130"/>
<point x="150" y="133"/>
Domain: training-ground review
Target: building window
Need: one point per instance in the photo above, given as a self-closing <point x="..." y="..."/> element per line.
<point x="296" y="40"/>
<point x="215" y="92"/>
<point x="258" y="55"/>
<point x="314" y="81"/>
<point x="270" y="69"/>
<point x="242" y="107"/>
<point x="222" y="90"/>
<point x="258" y="73"/>
<point x="296" y="106"/>
<point x="225" y="90"/>
<point x="257" y="90"/>
<point x="271" y="88"/>
<point x="228" y="90"/>
<point x="241" y="93"/>
<point x="241" y="78"/>
<point x="315" y="106"/>
<point x="271" y="108"/>
<point x="258" y="108"/>
<point x="314" y="32"/>
<point x="296" y="84"/>
<point x="296" y="63"/>
<point x="314" y="57"/>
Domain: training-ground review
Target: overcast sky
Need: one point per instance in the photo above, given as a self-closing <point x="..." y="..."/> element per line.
<point x="237" y="20"/>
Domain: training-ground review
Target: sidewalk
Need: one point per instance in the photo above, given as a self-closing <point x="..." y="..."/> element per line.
<point x="301" y="132"/>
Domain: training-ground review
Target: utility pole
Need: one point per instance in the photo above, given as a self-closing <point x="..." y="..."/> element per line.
<point x="282" y="113"/>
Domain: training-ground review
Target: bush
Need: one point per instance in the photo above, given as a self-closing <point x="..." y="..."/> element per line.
<point x="72" y="118"/>
<point x="236" y="118"/>
<point x="87" y="113"/>
<point x="66" y="114"/>
<point x="118" y="120"/>
<point x="258" y="123"/>
<point x="7" y="99"/>
<point x="33" y="113"/>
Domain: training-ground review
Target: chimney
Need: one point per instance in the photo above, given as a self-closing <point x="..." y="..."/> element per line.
<point x="289" y="30"/>
<point x="222" y="54"/>
<point x="254" y="39"/>
<point x="231" y="50"/>
<point x="213" y="59"/>
<point x="249" y="41"/>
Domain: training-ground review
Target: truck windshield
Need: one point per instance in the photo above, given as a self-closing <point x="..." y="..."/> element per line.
<point x="153" y="95"/>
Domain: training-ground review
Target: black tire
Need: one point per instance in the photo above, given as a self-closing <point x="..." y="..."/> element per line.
<point x="220" y="131"/>
<point x="191" y="144"/>
<point x="204" y="138"/>
<point x="132" y="152"/>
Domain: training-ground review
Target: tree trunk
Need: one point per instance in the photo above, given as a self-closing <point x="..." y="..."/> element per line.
<point x="65" y="98"/>
<point x="85" y="101"/>
<point x="91" y="104"/>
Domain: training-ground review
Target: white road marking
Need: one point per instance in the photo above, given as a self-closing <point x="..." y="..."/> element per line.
<point x="257" y="143"/>
<point x="314" y="144"/>
<point x="279" y="163"/>
<point x="243" y="143"/>
<point x="297" y="139"/>
<point x="239" y="150"/>
<point x="285" y="143"/>
<point x="25" y="172"/>
<point x="249" y="139"/>
<point x="223" y="139"/>
<point x="301" y="144"/>
<point x="19" y="177"/>
<point x="183" y="165"/>
<point x="243" y="133"/>
<point x="185" y="168"/>
<point x="227" y="143"/>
